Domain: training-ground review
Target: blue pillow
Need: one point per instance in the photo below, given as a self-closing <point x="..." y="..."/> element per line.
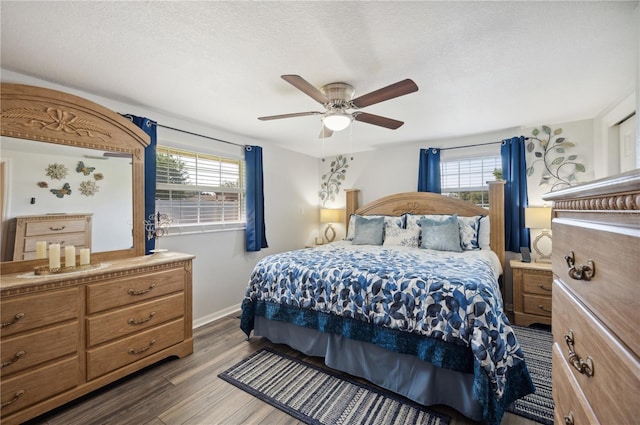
<point x="368" y="231"/>
<point x="441" y="235"/>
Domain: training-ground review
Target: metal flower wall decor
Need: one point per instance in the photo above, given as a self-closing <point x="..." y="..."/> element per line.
<point x="560" y="168"/>
<point x="332" y="180"/>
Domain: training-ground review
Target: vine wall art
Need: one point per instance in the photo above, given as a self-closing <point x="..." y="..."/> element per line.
<point x="559" y="167"/>
<point x="332" y="180"/>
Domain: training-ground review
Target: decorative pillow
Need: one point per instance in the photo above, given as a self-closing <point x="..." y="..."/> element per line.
<point x="484" y="233"/>
<point x="389" y="221"/>
<point x="395" y="236"/>
<point x="368" y="231"/>
<point x="469" y="228"/>
<point x="441" y="235"/>
<point x="413" y="220"/>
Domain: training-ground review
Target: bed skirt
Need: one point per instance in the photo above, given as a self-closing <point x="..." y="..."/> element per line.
<point x="401" y="373"/>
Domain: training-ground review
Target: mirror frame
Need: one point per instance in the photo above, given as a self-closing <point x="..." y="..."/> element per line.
<point x="51" y="116"/>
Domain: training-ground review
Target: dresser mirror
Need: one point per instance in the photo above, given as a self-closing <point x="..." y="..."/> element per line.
<point x="63" y="154"/>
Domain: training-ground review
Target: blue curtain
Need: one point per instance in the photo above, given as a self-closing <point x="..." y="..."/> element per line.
<point x="514" y="172"/>
<point x="429" y="171"/>
<point x="256" y="237"/>
<point x="149" y="127"/>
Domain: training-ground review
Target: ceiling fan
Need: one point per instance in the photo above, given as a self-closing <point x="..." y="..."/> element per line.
<point x="337" y="99"/>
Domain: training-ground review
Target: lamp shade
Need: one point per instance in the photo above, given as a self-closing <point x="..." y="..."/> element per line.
<point x="336" y="121"/>
<point x="537" y="217"/>
<point x="330" y="215"/>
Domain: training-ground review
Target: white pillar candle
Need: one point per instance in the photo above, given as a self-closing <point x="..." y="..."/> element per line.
<point x="85" y="256"/>
<point x="41" y="249"/>
<point x="54" y="256"/>
<point x="70" y="256"/>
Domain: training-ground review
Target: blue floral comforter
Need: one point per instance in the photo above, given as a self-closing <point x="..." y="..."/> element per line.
<point x="443" y="307"/>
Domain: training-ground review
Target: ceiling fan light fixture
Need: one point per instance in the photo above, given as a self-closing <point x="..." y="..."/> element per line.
<point x="336" y="121"/>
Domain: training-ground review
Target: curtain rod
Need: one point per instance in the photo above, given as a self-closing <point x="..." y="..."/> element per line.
<point x="472" y="146"/>
<point x="199" y="135"/>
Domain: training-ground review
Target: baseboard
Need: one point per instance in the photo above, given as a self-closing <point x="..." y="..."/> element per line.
<point x="216" y="316"/>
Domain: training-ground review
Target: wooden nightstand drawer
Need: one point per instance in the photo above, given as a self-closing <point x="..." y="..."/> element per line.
<point x="537" y="282"/>
<point x="536" y="304"/>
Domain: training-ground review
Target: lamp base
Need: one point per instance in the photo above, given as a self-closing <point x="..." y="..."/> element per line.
<point x="329" y="233"/>
<point x="543" y="257"/>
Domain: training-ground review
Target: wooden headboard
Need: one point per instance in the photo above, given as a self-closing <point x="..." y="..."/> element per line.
<point x="433" y="203"/>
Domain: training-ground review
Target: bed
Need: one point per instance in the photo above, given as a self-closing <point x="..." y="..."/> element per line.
<point x="411" y="312"/>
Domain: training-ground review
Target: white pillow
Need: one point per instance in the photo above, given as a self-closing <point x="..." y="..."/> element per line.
<point x="484" y="233"/>
<point x="395" y="236"/>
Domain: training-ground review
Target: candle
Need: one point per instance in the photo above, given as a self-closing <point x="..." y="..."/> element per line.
<point x="41" y="249"/>
<point x="54" y="256"/>
<point x="70" y="256"/>
<point x="85" y="256"/>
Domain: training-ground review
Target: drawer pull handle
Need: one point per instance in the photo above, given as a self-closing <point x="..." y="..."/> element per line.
<point x="580" y="272"/>
<point x="544" y="288"/>
<point x="543" y="308"/>
<point x="20" y="354"/>
<point x="143" y="349"/>
<point x="141" y="321"/>
<point x="142" y="291"/>
<point x="568" y="419"/>
<point x="15" y="398"/>
<point x="586" y="368"/>
<point x="16" y="319"/>
<point x="57" y="229"/>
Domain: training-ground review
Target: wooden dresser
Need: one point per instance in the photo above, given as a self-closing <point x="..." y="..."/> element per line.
<point x="64" y="229"/>
<point x="596" y="301"/>
<point x="63" y="336"/>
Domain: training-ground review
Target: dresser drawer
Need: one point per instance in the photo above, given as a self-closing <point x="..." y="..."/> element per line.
<point x="536" y="304"/>
<point x="116" y="293"/>
<point x="120" y="353"/>
<point x="53" y="227"/>
<point x="33" y="348"/>
<point x="567" y="397"/>
<point x="33" y="311"/>
<point x="119" y="323"/>
<point x="537" y="282"/>
<point x="612" y="391"/>
<point x="613" y="293"/>
<point x="28" y="388"/>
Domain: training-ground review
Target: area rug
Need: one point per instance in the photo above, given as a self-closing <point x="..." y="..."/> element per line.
<point x="536" y="345"/>
<point x="319" y="396"/>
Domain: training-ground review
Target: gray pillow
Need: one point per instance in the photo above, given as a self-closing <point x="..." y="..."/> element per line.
<point x="441" y="235"/>
<point x="368" y="231"/>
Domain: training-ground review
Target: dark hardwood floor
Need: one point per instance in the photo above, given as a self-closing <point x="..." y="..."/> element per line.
<point x="188" y="391"/>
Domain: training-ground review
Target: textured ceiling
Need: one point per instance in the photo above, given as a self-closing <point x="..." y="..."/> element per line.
<point x="479" y="66"/>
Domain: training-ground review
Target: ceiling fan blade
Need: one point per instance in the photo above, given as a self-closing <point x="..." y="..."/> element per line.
<point x="325" y="132"/>
<point x="306" y="87"/>
<point x="377" y="120"/>
<point x="394" y="90"/>
<point x="296" y="114"/>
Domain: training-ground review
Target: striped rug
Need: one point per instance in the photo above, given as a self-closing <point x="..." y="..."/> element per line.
<point x="319" y="396"/>
<point x="536" y="345"/>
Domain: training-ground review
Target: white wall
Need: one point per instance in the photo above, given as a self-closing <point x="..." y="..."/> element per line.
<point x="222" y="268"/>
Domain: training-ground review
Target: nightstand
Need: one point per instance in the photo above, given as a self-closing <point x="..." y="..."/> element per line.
<point x="532" y="283"/>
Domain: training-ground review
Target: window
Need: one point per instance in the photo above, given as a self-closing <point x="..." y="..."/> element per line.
<point x="466" y="179"/>
<point x="200" y="191"/>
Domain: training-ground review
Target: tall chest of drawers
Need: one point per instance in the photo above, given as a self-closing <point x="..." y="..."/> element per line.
<point x="63" y="336"/>
<point x="596" y="301"/>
